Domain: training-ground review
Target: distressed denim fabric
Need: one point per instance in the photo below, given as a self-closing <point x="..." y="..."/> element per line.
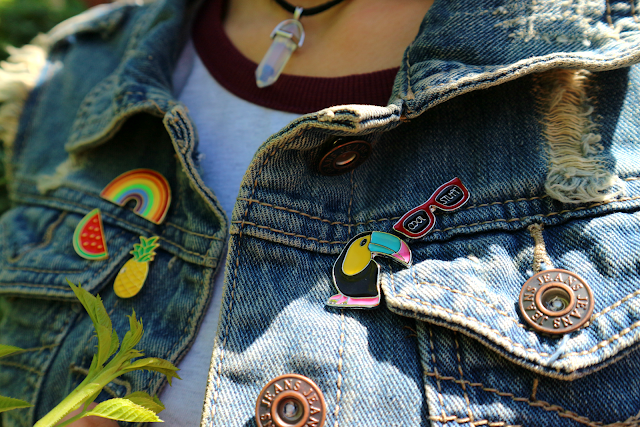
<point x="477" y="97"/>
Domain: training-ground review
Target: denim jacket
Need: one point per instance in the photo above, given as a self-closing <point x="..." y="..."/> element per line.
<point x="532" y="104"/>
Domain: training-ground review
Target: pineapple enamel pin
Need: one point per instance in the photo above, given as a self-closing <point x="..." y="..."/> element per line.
<point x="133" y="274"/>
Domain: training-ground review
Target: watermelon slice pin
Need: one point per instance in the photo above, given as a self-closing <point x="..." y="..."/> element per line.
<point x="88" y="239"/>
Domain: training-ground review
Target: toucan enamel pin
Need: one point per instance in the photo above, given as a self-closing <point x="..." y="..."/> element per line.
<point x="355" y="272"/>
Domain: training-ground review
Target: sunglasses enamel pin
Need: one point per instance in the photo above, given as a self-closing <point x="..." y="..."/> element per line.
<point x="421" y="220"/>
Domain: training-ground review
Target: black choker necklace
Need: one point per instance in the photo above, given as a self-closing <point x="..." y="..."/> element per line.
<point x="287" y="37"/>
<point x="312" y="10"/>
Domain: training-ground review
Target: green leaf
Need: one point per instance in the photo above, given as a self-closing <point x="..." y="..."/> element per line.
<point x="123" y="410"/>
<point x="155" y="399"/>
<point x="100" y="318"/>
<point x="155" y="364"/>
<point x="115" y="343"/>
<point x="6" y="350"/>
<point x="133" y="336"/>
<point x="9" y="403"/>
<point x="144" y="399"/>
<point x="93" y="367"/>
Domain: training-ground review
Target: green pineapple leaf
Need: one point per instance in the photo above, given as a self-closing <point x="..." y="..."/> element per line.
<point x="145" y="250"/>
<point x="121" y="409"/>
<point x="9" y="403"/>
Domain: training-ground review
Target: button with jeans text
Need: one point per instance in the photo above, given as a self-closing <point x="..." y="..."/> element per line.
<point x="290" y="400"/>
<point x="556" y="302"/>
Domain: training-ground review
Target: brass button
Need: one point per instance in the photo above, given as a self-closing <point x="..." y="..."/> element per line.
<point x="290" y="400"/>
<point x="556" y="302"/>
<point x="342" y="155"/>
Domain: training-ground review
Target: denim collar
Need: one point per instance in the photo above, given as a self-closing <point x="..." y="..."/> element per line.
<point x="142" y="81"/>
<point x="462" y="46"/>
<point x="467" y="45"/>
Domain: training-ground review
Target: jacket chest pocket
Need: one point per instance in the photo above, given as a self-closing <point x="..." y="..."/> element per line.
<point x="38" y="256"/>
<point x="483" y="362"/>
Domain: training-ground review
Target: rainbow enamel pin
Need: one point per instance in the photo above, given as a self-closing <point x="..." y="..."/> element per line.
<point x="355" y="273"/>
<point x="147" y="187"/>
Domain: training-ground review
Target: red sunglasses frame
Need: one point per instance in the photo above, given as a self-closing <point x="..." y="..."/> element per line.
<point x="429" y="206"/>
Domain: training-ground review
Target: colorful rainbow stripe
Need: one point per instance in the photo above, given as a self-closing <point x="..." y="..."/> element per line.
<point x="147" y="187"/>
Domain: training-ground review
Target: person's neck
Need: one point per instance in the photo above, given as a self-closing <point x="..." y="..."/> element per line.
<point x="353" y="37"/>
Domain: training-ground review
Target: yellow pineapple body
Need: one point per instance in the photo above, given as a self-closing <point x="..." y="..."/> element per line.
<point x="133" y="273"/>
<point x="130" y="279"/>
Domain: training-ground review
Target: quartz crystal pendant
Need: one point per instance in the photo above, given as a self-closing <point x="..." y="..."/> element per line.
<point x="287" y="37"/>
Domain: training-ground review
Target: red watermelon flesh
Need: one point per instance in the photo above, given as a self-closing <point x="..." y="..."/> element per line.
<point x="88" y="239"/>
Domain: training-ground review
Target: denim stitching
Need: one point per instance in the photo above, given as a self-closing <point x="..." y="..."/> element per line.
<point x="286" y="233"/>
<point x="435" y="368"/>
<point x="561" y="412"/>
<point x="615" y="305"/>
<point x="48" y="235"/>
<point x="604" y="343"/>
<point x="186" y="328"/>
<point x="67" y="287"/>
<point x="464" y="387"/>
<point x="193" y="232"/>
<point x="23" y="367"/>
<point x="350" y="204"/>
<point x="595" y="348"/>
<point x="621" y="199"/>
<point x="339" y="379"/>
<point x="204" y="256"/>
<point x="282" y="208"/>
<point x="503" y="313"/>
<point x="78" y="190"/>
<point x="609" y="20"/>
<point x="474" y="320"/>
<point x="534" y="390"/>
<point x="38" y="270"/>
<point x="233" y="286"/>
<point x="633" y="10"/>
<point x="30" y="350"/>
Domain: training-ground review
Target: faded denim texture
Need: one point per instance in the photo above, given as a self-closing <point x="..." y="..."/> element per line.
<point x="447" y="346"/>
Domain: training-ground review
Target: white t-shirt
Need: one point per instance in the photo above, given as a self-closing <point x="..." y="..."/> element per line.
<point x="230" y="130"/>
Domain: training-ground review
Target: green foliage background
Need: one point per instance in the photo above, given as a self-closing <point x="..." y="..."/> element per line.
<point x="21" y="20"/>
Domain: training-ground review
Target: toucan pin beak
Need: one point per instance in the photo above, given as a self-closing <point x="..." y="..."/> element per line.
<point x="391" y="246"/>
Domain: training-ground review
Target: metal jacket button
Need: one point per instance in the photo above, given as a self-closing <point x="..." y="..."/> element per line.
<point x="290" y="400"/>
<point x="341" y="155"/>
<point x="556" y="302"/>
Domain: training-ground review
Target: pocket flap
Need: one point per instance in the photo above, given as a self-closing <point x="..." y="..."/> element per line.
<point x="471" y="283"/>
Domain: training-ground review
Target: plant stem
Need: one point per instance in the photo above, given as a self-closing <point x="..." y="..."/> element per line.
<point x="72" y="402"/>
<point x="72" y="419"/>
